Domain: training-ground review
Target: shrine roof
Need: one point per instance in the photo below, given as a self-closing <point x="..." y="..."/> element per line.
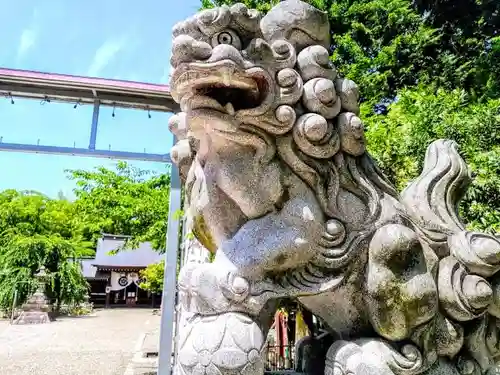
<point x="141" y="257"/>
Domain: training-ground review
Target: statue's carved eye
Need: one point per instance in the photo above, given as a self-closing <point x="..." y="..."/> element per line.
<point x="227" y="37"/>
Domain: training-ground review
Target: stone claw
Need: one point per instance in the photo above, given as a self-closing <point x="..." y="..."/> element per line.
<point x="208" y="288"/>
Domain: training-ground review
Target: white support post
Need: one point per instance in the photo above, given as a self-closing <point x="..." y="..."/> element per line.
<point x="170" y="280"/>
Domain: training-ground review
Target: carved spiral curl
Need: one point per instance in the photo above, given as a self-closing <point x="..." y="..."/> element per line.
<point x="373" y="356"/>
<point x="284" y="55"/>
<point x="348" y="93"/>
<point x="409" y="361"/>
<point x="440" y="337"/>
<point x="320" y="97"/>
<point x="494" y="308"/>
<point x="213" y="20"/>
<point x="482" y="344"/>
<point x="352" y="134"/>
<point x="468" y="366"/>
<point x="463" y="296"/>
<point x="178" y="125"/>
<point x="290" y="86"/>
<point x="314" y="62"/>
<point x="236" y="288"/>
<point x="479" y="252"/>
<point x="334" y="234"/>
<point x="286" y="116"/>
<point x="190" y="27"/>
<point x="449" y="337"/>
<point x="315" y="136"/>
<point x="247" y="19"/>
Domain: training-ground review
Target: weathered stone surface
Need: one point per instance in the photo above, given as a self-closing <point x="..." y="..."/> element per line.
<point x="36" y="310"/>
<point x="279" y="182"/>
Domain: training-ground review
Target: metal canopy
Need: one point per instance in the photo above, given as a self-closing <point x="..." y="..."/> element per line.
<point x="125" y="94"/>
<point x="85" y="90"/>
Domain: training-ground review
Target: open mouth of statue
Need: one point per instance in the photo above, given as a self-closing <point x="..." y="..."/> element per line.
<point x="222" y="87"/>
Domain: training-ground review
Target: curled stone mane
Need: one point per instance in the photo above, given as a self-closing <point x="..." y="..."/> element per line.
<point x="279" y="185"/>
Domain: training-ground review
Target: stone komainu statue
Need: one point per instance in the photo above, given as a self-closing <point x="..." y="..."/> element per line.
<point x="278" y="180"/>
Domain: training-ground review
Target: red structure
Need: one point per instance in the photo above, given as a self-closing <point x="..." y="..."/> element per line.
<point x="85" y="90"/>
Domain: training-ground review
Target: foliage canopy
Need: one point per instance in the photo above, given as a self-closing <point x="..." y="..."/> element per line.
<point x="36" y="231"/>
<point x="127" y="201"/>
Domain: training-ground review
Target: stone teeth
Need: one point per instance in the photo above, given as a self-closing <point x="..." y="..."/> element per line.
<point x="229" y="108"/>
<point x="226" y="78"/>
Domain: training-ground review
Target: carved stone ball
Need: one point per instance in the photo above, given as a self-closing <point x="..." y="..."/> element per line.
<point x="334" y="228"/>
<point x="287" y="77"/>
<point x="315" y="128"/>
<point x="285" y="114"/>
<point x="240" y="287"/>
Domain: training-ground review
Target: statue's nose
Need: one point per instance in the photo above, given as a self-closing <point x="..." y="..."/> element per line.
<point x="226" y="52"/>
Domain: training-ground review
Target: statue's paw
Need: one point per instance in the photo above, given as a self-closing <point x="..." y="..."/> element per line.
<point x="209" y="288"/>
<point x="373" y="357"/>
<point x="400" y="291"/>
<point x="200" y="289"/>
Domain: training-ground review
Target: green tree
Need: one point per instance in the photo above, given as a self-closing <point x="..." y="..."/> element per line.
<point x="398" y="141"/>
<point x="36" y="231"/>
<point x="128" y="201"/>
<point x="470" y="41"/>
<point x="153" y="276"/>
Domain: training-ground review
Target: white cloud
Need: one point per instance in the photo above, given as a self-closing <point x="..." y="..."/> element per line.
<point x="26" y="41"/>
<point x="104" y="55"/>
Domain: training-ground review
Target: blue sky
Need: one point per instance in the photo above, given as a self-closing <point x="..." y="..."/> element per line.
<point x="122" y="39"/>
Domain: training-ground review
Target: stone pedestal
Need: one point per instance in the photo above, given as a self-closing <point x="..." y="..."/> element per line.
<point x="37" y="309"/>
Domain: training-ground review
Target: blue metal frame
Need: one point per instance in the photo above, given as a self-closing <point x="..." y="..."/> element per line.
<point x="87" y="152"/>
<point x="95" y="122"/>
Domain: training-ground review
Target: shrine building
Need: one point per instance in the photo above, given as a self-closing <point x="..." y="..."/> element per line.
<point x="114" y="279"/>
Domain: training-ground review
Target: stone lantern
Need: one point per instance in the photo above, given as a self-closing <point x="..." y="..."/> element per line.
<point x="37" y="309"/>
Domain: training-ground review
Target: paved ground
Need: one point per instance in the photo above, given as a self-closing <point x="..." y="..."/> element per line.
<point x="103" y="344"/>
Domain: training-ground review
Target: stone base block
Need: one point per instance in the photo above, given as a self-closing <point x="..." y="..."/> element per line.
<point x="33" y="317"/>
